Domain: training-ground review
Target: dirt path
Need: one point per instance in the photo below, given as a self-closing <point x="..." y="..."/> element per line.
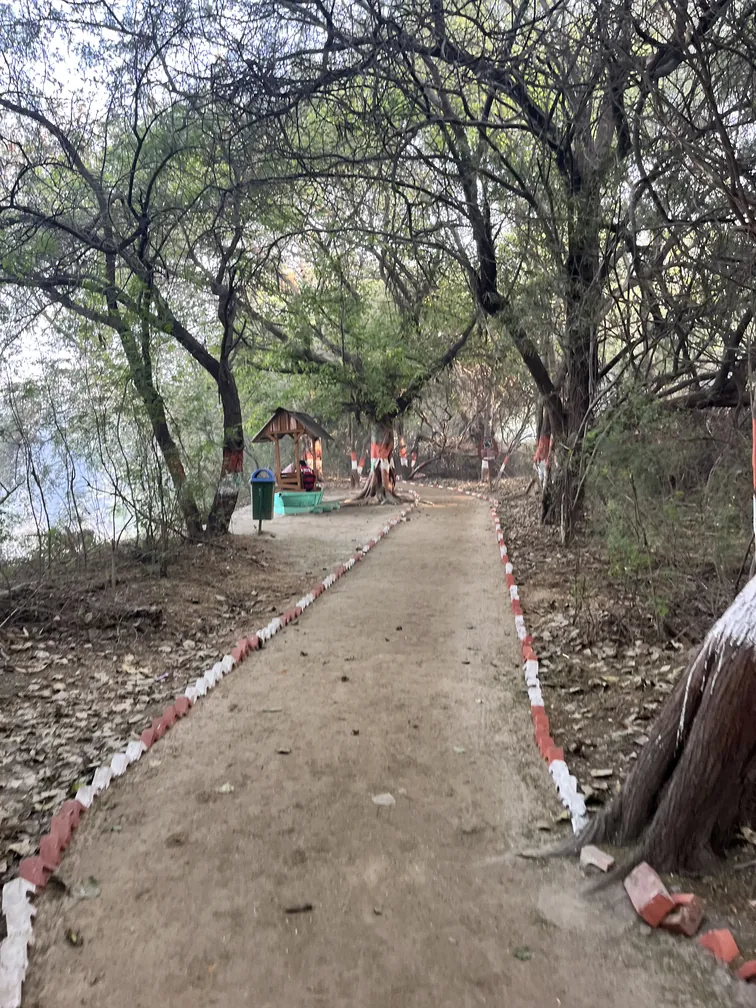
<point x="404" y="679"/>
<point x="85" y="666"/>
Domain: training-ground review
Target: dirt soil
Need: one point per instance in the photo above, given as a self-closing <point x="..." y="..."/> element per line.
<point x="605" y="669"/>
<point x="85" y="667"/>
<point x="249" y="860"/>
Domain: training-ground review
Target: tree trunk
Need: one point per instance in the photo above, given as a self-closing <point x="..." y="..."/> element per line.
<point x="140" y="367"/>
<point x="563" y="502"/>
<point x="694" y="781"/>
<point x="542" y="454"/>
<point x="381" y="482"/>
<point x="562" y="497"/>
<point x="353" y="477"/>
<point x="232" y="466"/>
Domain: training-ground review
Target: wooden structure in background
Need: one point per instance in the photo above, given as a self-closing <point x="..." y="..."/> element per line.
<point x="298" y="426"/>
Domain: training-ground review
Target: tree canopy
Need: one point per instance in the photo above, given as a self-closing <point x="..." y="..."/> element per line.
<point x="361" y="193"/>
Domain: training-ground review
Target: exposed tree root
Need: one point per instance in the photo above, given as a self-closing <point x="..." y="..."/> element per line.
<point x="695" y="779"/>
<point x="376" y="500"/>
<point x="376" y="492"/>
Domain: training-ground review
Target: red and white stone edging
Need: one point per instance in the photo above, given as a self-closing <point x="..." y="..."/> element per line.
<point x="678" y="913"/>
<point x="34" y="872"/>
<point x="565" y="782"/>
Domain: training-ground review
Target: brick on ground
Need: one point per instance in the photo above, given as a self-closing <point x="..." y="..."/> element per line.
<point x="648" y="894"/>
<point x="686" y="918"/>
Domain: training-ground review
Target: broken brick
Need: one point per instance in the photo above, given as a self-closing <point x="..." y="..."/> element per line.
<point x="721" y="944"/>
<point x="594" y="857"/>
<point x="747" y="971"/>
<point x="254" y="642"/>
<point x="686" y="918"/>
<point x="648" y="894"/>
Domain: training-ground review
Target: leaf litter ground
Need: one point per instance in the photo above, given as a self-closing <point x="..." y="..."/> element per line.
<point x="85" y="667"/>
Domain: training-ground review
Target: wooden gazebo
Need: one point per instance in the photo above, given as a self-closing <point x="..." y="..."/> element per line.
<point x="290" y="423"/>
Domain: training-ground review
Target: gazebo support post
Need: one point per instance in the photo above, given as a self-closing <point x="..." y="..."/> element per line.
<point x="296" y="461"/>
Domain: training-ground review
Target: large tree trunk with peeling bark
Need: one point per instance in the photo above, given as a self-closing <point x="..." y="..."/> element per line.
<point x="695" y="779"/>
<point x="380" y="486"/>
<point x="232" y="465"/>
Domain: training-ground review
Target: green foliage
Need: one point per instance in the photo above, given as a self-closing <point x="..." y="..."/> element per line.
<point x="669" y="494"/>
<point x="360" y="346"/>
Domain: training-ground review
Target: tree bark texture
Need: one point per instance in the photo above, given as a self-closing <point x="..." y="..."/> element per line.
<point x="694" y="781"/>
<point x="232" y="465"/>
<point x="381" y="482"/>
<point x="563" y="496"/>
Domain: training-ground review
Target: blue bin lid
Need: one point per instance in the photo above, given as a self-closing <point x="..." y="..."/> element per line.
<point x="262" y="476"/>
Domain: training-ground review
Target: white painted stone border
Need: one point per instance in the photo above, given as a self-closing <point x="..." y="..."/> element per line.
<point x="17" y="907"/>
<point x="565" y="782"/>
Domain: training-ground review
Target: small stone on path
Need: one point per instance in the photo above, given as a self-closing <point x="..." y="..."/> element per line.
<point x="594" y="857"/>
<point x="384" y="799"/>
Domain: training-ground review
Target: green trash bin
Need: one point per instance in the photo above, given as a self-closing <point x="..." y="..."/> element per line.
<point x="263" y="483"/>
